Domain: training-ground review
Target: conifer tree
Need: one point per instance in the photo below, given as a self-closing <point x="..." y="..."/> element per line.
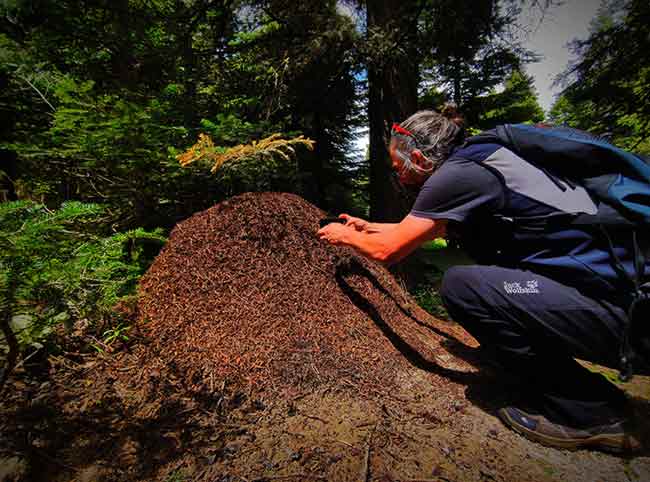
<point x="607" y="88"/>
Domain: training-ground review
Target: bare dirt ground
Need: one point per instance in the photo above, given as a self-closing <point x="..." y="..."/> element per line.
<point x="99" y="418"/>
<point x="242" y="367"/>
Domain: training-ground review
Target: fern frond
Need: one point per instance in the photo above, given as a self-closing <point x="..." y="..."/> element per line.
<point x="269" y="147"/>
<point x="204" y="148"/>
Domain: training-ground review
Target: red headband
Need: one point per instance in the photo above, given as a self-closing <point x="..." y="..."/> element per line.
<point x="400" y="130"/>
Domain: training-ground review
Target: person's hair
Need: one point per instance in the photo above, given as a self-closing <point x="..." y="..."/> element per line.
<point x="436" y="133"/>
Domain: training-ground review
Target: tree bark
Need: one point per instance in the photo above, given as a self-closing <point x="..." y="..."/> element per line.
<point x="10" y="337"/>
<point x="392" y="96"/>
<point x="457" y="82"/>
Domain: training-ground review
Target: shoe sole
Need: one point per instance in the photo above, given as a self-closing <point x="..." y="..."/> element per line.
<point x="610" y="443"/>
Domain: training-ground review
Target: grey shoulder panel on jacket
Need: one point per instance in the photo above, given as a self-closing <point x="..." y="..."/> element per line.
<point x="524" y="178"/>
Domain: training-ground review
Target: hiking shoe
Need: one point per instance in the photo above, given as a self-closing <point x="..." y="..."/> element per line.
<point x="610" y="438"/>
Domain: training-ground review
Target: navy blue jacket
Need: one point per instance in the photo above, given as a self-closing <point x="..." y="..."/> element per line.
<point x="504" y="208"/>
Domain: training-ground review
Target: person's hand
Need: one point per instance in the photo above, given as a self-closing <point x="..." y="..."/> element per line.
<point x="357" y="223"/>
<point x="334" y="233"/>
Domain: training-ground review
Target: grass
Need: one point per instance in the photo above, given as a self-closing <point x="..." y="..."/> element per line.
<point x="429" y="299"/>
<point x="436" y="257"/>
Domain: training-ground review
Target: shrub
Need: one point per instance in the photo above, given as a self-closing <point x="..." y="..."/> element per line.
<point x="61" y="266"/>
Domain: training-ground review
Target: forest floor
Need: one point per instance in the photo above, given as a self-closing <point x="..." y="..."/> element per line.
<point x="77" y="422"/>
<point x="252" y="386"/>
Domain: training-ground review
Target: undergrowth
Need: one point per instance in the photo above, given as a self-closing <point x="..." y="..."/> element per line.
<point x="61" y="266"/>
<point x="426" y="292"/>
<point x="430" y="300"/>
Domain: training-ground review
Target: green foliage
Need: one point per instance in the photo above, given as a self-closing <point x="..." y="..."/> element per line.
<point x="103" y="272"/>
<point x="117" y="333"/>
<point x="517" y="103"/>
<point x="110" y="336"/>
<point x="435" y="244"/>
<point x="607" y="88"/>
<point x="58" y="266"/>
<point x="112" y="149"/>
<point x="97" y="109"/>
<point x="473" y="51"/>
<point x="230" y="128"/>
<point x="264" y="165"/>
<point x="299" y="63"/>
<point x="626" y="130"/>
<point x="429" y="299"/>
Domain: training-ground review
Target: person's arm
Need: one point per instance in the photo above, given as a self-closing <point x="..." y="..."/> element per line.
<point x="380" y="227"/>
<point x="366" y="226"/>
<point x="388" y="245"/>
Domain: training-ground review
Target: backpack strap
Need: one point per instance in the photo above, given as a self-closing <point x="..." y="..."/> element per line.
<point x="640" y="306"/>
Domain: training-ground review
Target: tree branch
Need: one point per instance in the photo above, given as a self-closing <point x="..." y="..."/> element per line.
<point x="38" y="92"/>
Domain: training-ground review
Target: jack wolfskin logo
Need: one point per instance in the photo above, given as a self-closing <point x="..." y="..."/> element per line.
<point x="515" y="288"/>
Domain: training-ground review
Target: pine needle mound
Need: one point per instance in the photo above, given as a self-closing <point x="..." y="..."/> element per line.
<point x="245" y="292"/>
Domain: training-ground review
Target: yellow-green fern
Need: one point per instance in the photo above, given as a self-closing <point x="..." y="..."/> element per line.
<point x="271" y="146"/>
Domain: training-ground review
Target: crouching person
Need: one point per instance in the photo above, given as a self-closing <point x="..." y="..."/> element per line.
<point x="539" y="297"/>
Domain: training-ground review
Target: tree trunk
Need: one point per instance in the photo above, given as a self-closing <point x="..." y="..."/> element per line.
<point x="392" y="96"/>
<point x="457" y="83"/>
<point x="6" y="305"/>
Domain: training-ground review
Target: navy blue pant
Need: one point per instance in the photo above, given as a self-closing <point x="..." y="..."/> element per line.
<point x="535" y="326"/>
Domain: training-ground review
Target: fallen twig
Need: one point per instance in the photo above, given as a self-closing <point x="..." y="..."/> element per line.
<point x="292" y="476"/>
<point x="365" y="470"/>
<point x="313" y="417"/>
<point x="27" y="358"/>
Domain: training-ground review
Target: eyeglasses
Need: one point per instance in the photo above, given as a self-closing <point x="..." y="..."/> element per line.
<point x="405" y="143"/>
<point x="405" y="139"/>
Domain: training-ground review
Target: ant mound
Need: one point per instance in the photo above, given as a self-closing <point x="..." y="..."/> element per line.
<point x="245" y="292"/>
